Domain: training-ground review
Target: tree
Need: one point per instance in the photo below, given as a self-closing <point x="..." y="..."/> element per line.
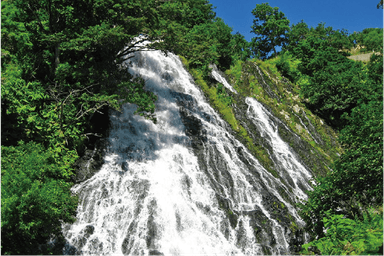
<point x="35" y="198"/>
<point x="321" y="36"/>
<point x="296" y="33"/>
<point x="12" y="36"/>
<point x="188" y="13"/>
<point x="207" y="43"/>
<point x="62" y="61"/>
<point x="334" y="86"/>
<point x="332" y="79"/>
<point x="355" y="184"/>
<point x="240" y="47"/>
<point x="189" y="28"/>
<point x="375" y="68"/>
<point x="370" y="39"/>
<point x="271" y="27"/>
<point x="330" y="83"/>
<point x="71" y="59"/>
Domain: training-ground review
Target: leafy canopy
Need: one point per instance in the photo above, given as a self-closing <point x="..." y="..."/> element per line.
<point x="270" y="26"/>
<point x="35" y="197"/>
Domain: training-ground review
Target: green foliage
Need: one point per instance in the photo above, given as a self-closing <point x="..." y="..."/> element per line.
<point x="35" y="197"/>
<point x="133" y="92"/>
<point x="362" y="161"/>
<point x="334" y="86"/>
<point x="187" y="13"/>
<point x="357" y="177"/>
<point x="69" y="63"/>
<point x="62" y="62"/>
<point x="346" y="236"/>
<point x="177" y="19"/>
<point x="287" y="65"/>
<point x="202" y="44"/>
<point x="348" y="96"/>
<point x="270" y="26"/>
<point x="304" y="42"/>
<point x="240" y="48"/>
<point x="370" y="39"/>
<point x="296" y="33"/>
<point x="189" y="28"/>
<point x="375" y="69"/>
<point x="330" y="83"/>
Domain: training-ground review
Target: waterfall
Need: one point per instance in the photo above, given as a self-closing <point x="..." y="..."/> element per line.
<point x="220" y="79"/>
<point x="290" y="168"/>
<point x="186" y="185"/>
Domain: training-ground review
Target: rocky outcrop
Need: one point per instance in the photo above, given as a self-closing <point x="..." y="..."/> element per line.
<point x="91" y="161"/>
<point x="93" y="150"/>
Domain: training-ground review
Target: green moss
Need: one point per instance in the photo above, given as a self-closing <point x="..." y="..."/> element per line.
<point x="270" y="66"/>
<point x="221" y="101"/>
<point x="249" y="83"/>
<point x="184" y="61"/>
<point x="247" y="80"/>
<point x="293" y="227"/>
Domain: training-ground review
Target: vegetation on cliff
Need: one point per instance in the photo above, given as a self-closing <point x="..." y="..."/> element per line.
<point x="348" y="96"/>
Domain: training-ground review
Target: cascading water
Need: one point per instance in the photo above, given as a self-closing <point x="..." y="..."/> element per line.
<point x="290" y="168"/>
<point x="219" y="78"/>
<point x="185" y="186"/>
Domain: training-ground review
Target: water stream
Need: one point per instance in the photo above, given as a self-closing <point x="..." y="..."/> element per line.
<point x="186" y="185"/>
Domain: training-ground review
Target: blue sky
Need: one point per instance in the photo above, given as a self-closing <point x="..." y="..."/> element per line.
<point x="352" y="15"/>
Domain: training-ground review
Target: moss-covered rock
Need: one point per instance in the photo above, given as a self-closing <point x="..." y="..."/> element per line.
<point x="307" y="134"/>
<point x="313" y="143"/>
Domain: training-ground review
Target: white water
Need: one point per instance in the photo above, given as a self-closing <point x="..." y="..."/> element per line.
<point x="220" y="79"/>
<point x="155" y="195"/>
<point x="292" y="169"/>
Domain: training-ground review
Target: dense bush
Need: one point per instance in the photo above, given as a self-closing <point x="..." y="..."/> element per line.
<point x="35" y="197"/>
<point x="346" y="236"/>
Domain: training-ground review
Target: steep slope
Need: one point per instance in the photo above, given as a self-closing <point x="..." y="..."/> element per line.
<point x="202" y="180"/>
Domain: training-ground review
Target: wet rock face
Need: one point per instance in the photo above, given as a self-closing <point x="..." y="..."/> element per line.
<point x="209" y="159"/>
<point x="91" y="161"/>
<point x="93" y="150"/>
<point x="188" y="184"/>
<point x="155" y="252"/>
<point x="193" y="126"/>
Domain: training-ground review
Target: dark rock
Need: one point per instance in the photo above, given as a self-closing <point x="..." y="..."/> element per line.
<point x="90" y="163"/>
<point x="155" y="252"/>
<point x="127" y="244"/>
<point x="88" y="231"/>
